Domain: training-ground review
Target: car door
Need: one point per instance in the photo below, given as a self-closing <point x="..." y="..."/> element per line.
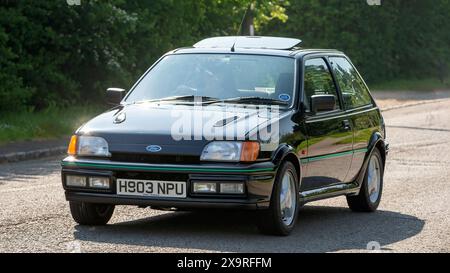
<point x="360" y="107"/>
<point x="329" y="134"/>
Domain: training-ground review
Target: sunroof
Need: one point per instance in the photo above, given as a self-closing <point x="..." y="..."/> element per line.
<point x="249" y="42"/>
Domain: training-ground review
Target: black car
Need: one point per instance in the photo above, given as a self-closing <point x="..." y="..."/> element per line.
<point x="253" y="123"/>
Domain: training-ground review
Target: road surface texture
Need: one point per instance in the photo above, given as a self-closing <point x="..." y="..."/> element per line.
<point x="414" y="215"/>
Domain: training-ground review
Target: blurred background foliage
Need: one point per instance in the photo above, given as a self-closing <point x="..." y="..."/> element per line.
<point x="57" y="55"/>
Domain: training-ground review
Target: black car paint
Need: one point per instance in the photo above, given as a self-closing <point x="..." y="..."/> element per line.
<point x="325" y="169"/>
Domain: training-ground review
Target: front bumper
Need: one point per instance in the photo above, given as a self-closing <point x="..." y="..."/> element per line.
<point x="258" y="179"/>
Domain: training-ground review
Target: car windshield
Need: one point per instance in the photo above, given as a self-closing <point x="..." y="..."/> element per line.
<point x="226" y="78"/>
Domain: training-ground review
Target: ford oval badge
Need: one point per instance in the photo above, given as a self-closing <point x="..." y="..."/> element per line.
<point x="153" y="148"/>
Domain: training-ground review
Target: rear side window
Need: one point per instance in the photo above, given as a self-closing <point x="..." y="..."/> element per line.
<point x="318" y="80"/>
<point x="353" y="89"/>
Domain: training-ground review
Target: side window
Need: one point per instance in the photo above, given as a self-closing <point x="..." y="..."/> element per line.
<point x="318" y="81"/>
<point x="354" y="92"/>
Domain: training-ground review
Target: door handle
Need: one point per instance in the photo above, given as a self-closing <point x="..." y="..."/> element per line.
<point x="346" y="125"/>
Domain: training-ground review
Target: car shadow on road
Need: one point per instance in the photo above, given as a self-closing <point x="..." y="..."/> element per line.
<point x="319" y="229"/>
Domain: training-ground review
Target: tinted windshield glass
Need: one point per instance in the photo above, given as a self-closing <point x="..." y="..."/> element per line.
<point x="218" y="76"/>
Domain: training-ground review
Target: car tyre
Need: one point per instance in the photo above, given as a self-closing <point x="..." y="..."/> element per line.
<point x="281" y="216"/>
<point x="369" y="196"/>
<point x="91" y="214"/>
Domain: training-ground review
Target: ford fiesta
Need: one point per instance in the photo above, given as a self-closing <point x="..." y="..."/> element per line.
<point x="232" y="123"/>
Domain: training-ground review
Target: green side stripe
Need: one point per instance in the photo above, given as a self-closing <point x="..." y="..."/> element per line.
<point x="365" y="150"/>
<point x="321" y="157"/>
<point x="143" y="168"/>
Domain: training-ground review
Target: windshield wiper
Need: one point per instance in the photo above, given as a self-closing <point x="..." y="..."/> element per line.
<point x="183" y="98"/>
<point x="211" y="100"/>
<point x="255" y="100"/>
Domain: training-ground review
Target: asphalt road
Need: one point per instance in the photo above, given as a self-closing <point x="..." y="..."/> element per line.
<point x="414" y="215"/>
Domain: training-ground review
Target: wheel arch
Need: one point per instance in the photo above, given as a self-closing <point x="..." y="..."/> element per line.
<point x="287" y="153"/>
<point x="376" y="142"/>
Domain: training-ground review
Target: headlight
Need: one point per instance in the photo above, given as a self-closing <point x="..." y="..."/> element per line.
<point x="230" y="151"/>
<point x="88" y="146"/>
<point x="92" y="146"/>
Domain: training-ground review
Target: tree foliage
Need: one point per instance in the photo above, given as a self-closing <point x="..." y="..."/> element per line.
<point x="400" y="38"/>
<point x="55" y="54"/>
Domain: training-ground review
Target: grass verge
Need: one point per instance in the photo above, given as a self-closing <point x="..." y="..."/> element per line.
<point x="48" y="124"/>
<point x="429" y="84"/>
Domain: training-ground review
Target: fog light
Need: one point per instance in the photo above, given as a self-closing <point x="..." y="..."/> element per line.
<point x="75" y="181"/>
<point x="99" y="182"/>
<point x="205" y="187"/>
<point x="232" y="188"/>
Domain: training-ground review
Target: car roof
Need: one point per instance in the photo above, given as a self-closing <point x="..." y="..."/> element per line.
<point x="258" y="45"/>
<point x="249" y="42"/>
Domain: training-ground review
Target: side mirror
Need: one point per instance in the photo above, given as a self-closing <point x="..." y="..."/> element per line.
<point x="115" y="95"/>
<point x="323" y="103"/>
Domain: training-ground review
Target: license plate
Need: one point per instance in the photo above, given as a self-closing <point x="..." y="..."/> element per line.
<point x="153" y="188"/>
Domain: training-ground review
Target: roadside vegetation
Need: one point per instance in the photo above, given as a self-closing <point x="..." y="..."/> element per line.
<point x="429" y="84"/>
<point x="47" y="124"/>
<point x="52" y="53"/>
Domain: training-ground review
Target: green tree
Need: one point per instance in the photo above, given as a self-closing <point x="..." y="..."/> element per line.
<point x="400" y="38"/>
<point x="55" y="54"/>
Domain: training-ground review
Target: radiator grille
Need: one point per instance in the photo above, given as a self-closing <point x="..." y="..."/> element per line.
<point x="155" y="159"/>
